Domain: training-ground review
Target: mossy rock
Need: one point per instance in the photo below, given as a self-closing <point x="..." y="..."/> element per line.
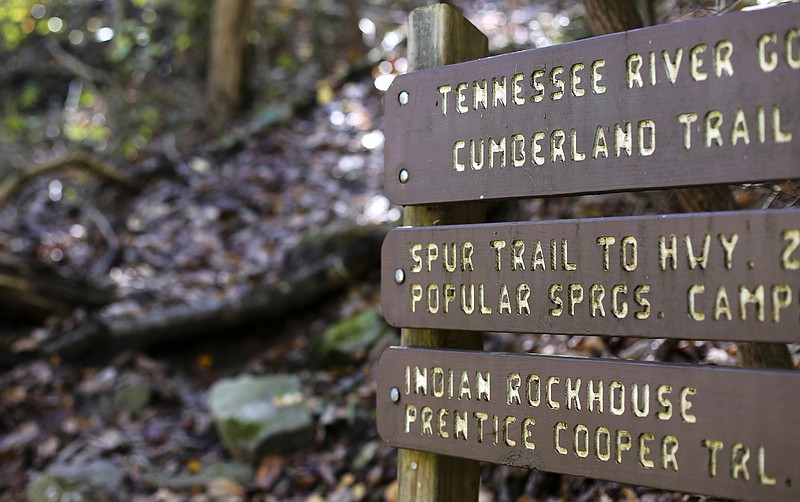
<point x="259" y="415"/>
<point x="350" y="337"/>
<point x="97" y="480"/>
<point x="133" y="394"/>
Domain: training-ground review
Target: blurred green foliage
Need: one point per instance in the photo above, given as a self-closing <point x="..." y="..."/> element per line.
<point x="16" y="21"/>
<point x="125" y="78"/>
<point x="99" y="74"/>
<point x="121" y="77"/>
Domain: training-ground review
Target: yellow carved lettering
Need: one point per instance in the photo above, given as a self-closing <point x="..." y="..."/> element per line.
<point x="623" y="443"/>
<point x="551" y="403"/>
<point x="517" y="88"/>
<point x="713" y="447"/>
<point x="480" y="94"/>
<point x="669" y="447"/>
<point x="595" y="76"/>
<point x="634" y="66"/>
<point x="644" y="438"/>
<point x="560" y="426"/>
<point x="767" y="59"/>
<point x="694" y="290"/>
<point x="527" y="434"/>
<point x="661" y="395"/>
<point x="557" y="83"/>
<point x="602" y="438"/>
<point x="575" y="80"/>
<point x="687" y="392"/>
<point x="740" y="454"/>
<point x="444" y="90"/>
<point x="461" y="98"/>
<point x="458" y="146"/>
<point x="723" y="50"/>
<point x="513" y="382"/>
<point x="687" y="119"/>
<point x="695" y="62"/>
<point x="581" y="446"/>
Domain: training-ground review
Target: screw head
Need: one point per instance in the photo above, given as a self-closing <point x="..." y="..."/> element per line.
<point x="402" y="98"/>
<point x="404" y="175"/>
<point x="399" y="276"/>
<point x="394" y="395"/>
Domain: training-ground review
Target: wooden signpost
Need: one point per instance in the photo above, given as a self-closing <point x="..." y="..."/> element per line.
<point x="439" y="35"/>
<point x="726" y="432"/>
<point x="705" y="101"/>
<point x="710" y="276"/>
<point x="692" y="103"/>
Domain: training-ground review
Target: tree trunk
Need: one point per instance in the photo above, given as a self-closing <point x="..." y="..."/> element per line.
<point x="608" y="17"/>
<point x="230" y="23"/>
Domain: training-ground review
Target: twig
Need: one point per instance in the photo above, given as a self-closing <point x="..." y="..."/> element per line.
<point x="74" y="64"/>
<point x="102" y="266"/>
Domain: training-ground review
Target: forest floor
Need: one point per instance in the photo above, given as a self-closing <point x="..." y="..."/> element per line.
<point x="215" y="231"/>
<point x="220" y="226"/>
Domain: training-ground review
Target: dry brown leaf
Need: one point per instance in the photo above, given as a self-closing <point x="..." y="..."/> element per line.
<point x="390" y="493"/>
<point x="269" y="470"/>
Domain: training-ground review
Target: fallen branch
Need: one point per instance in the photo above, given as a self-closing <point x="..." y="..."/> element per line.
<point x="102" y="265"/>
<point x="73" y="64"/>
<point x="75" y="160"/>
<point x="330" y="262"/>
<point x="32" y="291"/>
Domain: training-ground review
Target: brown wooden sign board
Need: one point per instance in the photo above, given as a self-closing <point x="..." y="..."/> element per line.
<point x="725" y="432"/>
<point x="708" y="276"/>
<point x="705" y="101"/>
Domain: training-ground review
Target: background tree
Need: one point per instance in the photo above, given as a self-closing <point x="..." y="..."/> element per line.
<point x="230" y="24"/>
<point x="625" y="16"/>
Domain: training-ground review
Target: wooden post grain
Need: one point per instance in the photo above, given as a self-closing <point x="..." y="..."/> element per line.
<point x="440" y="35"/>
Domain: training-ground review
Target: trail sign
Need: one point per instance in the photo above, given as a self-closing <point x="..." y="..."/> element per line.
<point x="678" y="427"/>
<point x="713" y="100"/>
<point x="709" y="276"/>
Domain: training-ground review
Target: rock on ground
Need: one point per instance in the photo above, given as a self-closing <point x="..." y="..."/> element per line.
<point x="256" y="416"/>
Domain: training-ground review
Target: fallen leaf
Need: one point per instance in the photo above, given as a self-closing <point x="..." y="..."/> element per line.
<point x="346" y="481"/>
<point x="204" y="361"/>
<point x="48" y="448"/>
<point x="269" y="470"/>
<point x="18" y="440"/>
<point x="194" y="465"/>
<point x="390" y="493"/>
<point x="225" y="489"/>
<point x="15" y="395"/>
